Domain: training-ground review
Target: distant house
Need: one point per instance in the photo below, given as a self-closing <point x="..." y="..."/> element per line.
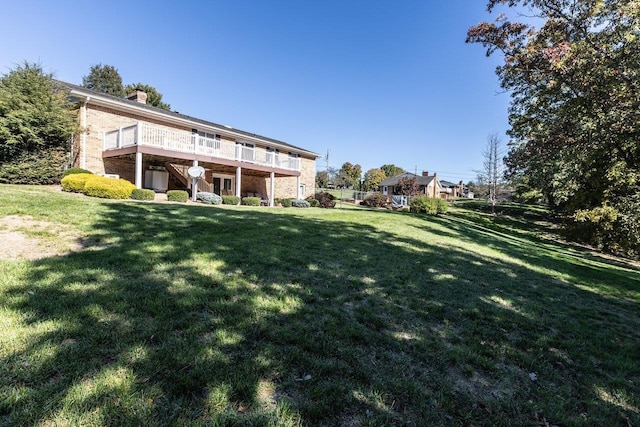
<point x="450" y="190"/>
<point x="428" y="185"/>
<point x="154" y="148"/>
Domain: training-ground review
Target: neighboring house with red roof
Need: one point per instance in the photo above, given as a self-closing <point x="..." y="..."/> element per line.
<point x="153" y="148"/>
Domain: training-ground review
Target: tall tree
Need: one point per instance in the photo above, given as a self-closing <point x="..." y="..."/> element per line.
<point x="36" y="125"/>
<point x="372" y="179"/>
<point x="492" y="169"/>
<point x="153" y="96"/>
<point x="104" y="78"/>
<point x="575" y="110"/>
<point x="349" y="175"/>
<point x="391" y="170"/>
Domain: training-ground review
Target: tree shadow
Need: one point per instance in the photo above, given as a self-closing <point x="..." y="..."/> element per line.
<point x="199" y="315"/>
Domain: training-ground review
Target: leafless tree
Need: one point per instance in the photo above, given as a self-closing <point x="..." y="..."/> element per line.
<point x="492" y="168"/>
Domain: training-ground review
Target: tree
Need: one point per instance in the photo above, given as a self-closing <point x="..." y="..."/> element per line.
<point x="36" y="124"/>
<point x="492" y="169"/>
<point x="575" y="109"/>
<point x="322" y="179"/>
<point x="408" y="186"/>
<point x="104" y="78"/>
<point x="372" y="179"/>
<point x="349" y="175"/>
<point x="153" y="96"/>
<point x="392" y="170"/>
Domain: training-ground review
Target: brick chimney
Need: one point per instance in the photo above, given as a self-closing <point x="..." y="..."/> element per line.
<point x="425" y="173"/>
<point x="138" y="96"/>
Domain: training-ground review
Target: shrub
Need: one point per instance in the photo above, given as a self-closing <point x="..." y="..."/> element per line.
<point x="428" y="205"/>
<point x="75" y="182"/>
<point x="210" y="198"/>
<point x="326" y="200"/>
<point x="442" y="206"/>
<point x="107" y="188"/>
<point x="37" y="168"/>
<point x="286" y="203"/>
<point x="297" y="203"/>
<point x="376" y="200"/>
<point x="72" y="171"/>
<point x="230" y="200"/>
<point x="177" y="196"/>
<point x="314" y="203"/>
<point x="251" y="201"/>
<point x="143" y="194"/>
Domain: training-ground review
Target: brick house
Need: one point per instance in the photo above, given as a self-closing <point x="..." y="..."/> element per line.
<point x="154" y="148"/>
<point x="428" y="185"/>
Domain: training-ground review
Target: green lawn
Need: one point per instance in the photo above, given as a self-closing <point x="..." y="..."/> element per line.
<point x="170" y="314"/>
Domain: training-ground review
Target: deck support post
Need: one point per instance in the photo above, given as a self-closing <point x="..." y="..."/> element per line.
<point x="238" y="181"/>
<point x="138" y="169"/>
<point x="272" y="189"/>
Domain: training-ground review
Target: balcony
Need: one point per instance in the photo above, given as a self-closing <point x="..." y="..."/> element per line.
<point x="145" y="134"/>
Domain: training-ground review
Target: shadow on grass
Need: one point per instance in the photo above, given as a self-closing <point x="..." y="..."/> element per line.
<point x="198" y="315"/>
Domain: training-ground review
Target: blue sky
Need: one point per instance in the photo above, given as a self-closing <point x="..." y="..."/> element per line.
<point x="373" y="81"/>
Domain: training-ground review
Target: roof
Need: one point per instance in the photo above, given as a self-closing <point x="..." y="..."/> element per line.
<point x="448" y="184"/>
<point x="422" y="180"/>
<point x="80" y="90"/>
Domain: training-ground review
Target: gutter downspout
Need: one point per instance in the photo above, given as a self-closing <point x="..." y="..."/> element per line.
<point x="83" y="136"/>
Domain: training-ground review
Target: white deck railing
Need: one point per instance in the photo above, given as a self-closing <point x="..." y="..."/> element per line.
<point x="188" y="142"/>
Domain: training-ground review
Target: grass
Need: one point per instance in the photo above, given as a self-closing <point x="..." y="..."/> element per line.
<point x="199" y="315"/>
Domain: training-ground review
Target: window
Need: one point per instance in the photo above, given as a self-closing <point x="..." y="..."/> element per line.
<point x="385" y="190"/>
<point x="227" y="184"/>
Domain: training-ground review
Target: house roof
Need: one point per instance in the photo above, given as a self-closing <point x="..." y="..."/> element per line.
<point x="448" y="184"/>
<point x="422" y="180"/>
<point x="83" y="92"/>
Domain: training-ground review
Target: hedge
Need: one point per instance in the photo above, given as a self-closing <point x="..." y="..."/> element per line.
<point x="428" y="205"/>
<point x="177" y="196"/>
<point x="143" y="194"/>
<point x="251" y="201"/>
<point x="230" y="200"/>
<point x="75" y="182"/>
<point x="297" y="203"/>
<point x="107" y="188"/>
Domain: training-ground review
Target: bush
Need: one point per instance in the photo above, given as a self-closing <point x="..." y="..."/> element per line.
<point x="251" y="201"/>
<point x="297" y="203"/>
<point x="314" y="203"/>
<point x="376" y="200"/>
<point x="107" y="188"/>
<point x="36" y="168"/>
<point x="326" y="200"/>
<point x="210" y="198"/>
<point x="72" y="171"/>
<point x="75" y="182"/>
<point x="230" y="200"/>
<point x="428" y="205"/>
<point x="177" y="196"/>
<point x="286" y="203"/>
<point x="143" y="194"/>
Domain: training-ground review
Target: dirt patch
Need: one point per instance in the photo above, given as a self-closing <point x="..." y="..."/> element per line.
<point x="23" y="237"/>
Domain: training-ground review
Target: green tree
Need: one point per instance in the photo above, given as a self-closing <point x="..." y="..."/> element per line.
<point x="392" y="170"/>
<point x="349" y="175"/>
<point x="574" y="114"/>
<point x="322" y="179"/>
<point x="372" y="179"/>
<point x="153" y="96"/>
<point x="104" y="78"/>
<point x="36" y="124"/>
